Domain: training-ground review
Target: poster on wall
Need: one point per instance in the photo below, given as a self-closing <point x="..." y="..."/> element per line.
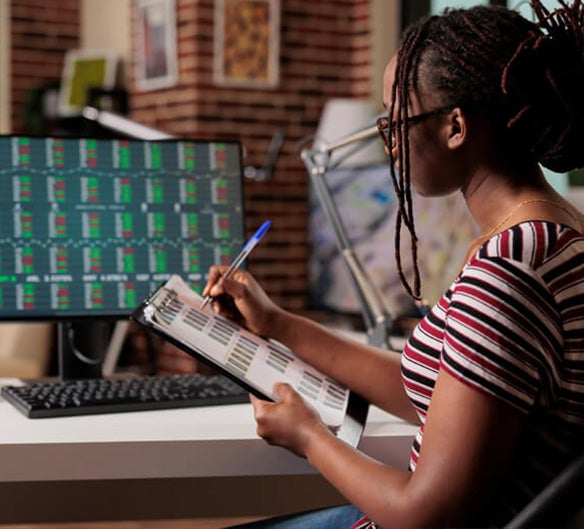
<point x="367" y="205"/>
<point x="84" y="69"/>
<point x="247" y="43"/>
<point x="156" y="64"/>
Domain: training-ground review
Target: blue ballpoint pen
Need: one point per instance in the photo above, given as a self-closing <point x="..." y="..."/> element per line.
<point x="249" y="246"/>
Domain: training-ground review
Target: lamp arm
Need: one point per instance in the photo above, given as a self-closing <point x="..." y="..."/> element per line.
<point x="354" y="137"/>
<point x="375" y="315"/>
<point x="124" y="125"/>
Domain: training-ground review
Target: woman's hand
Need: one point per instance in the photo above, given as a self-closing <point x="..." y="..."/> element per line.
<point x="241" y="298"/>
<point x="290" y="423"/>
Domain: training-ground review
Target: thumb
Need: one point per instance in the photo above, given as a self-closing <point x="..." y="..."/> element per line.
<point x="255" y="401"/>
<point x="259" y="406"/>
<point x="283" y="390"/>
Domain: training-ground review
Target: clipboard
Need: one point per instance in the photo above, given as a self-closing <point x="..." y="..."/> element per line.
<point x="174" y="312"/>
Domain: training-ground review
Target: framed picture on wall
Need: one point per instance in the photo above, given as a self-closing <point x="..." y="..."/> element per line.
<point x="156" y="63"/>
<point x="247" y="43"/>
<point x="84" y="69"/>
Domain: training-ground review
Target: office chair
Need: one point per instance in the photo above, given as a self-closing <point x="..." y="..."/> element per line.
<point x="558" y="503"/>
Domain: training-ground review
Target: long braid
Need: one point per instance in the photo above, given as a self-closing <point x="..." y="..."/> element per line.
<point x="404" y="138"/>
<point x="401" y="182"/>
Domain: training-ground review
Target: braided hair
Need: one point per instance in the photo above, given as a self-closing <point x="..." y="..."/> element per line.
<point x="527" y="76"/>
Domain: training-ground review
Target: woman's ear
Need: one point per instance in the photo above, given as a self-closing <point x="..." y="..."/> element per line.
<point x="457" y="130"/>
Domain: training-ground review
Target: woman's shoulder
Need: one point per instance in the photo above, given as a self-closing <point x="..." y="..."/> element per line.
<point x="534" y="243"/>
<point x="534" y="256"/>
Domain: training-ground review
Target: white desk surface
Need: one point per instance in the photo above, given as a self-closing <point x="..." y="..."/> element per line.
<point x="212" y="441"/>
<point x="164" y="464"/>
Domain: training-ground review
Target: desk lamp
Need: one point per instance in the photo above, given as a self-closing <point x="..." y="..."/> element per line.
<point x="356" y="146"/>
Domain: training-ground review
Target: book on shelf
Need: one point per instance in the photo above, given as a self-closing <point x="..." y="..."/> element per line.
<point x="174" y="311"/>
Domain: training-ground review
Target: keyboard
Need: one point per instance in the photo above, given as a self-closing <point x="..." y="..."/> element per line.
<point x="113" y="395"/>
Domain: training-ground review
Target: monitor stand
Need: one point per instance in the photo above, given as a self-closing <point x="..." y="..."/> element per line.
<point x="82" y="347"/>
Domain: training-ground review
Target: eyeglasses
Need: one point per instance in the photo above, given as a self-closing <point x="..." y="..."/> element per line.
<point x="387" y="128"/>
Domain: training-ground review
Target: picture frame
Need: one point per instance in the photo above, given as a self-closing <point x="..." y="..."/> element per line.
<point x="246" y="43"/>
<point x="84" y="69"/>
<point x="156" y="65"/>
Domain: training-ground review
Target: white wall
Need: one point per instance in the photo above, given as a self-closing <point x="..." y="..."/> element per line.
<point x="386" y="21"/>
<point x="105" y="25"/>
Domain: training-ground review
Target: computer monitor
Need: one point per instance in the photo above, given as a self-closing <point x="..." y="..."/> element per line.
<point x="89" y="227"/>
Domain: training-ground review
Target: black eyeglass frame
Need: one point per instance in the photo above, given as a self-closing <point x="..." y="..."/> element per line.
<point x="386" y="127"/>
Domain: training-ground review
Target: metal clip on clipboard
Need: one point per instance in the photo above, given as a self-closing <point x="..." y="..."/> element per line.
<point x="171" y="295"/>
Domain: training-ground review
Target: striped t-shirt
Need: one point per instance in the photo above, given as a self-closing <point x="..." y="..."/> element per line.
<point x="512" y="326"/>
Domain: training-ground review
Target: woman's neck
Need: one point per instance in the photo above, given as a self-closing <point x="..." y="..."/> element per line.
<point x="491" y="193"/>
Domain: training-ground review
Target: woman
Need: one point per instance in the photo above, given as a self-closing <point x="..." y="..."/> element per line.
<point x="494" y="373"/>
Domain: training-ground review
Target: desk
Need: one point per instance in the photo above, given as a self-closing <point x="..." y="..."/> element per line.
<point x="163" y="464"/>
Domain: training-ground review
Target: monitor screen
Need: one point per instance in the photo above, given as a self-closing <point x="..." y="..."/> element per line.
<point x="89" y="227"/>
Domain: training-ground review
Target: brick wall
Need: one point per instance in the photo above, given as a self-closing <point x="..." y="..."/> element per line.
<point x="325" y="52"/>
<point x="41" y="33"/>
